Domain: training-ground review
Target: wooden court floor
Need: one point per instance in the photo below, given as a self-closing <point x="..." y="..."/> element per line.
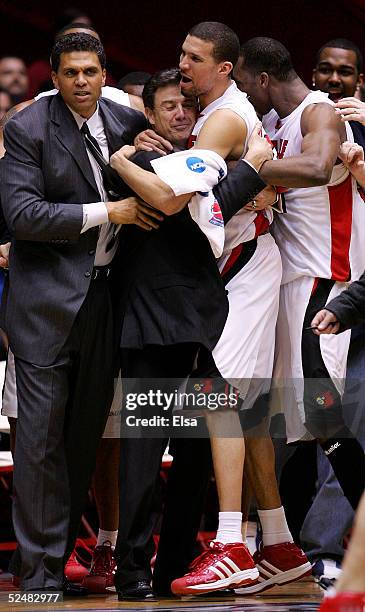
<point x="303" y="595"/>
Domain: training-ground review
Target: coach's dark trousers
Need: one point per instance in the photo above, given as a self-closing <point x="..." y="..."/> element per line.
<point x="139" y="473"/>
<point x="62" y="413"/>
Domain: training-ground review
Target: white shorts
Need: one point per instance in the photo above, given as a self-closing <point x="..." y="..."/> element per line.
<point x="288" y="381"/>
<point x="245" y="349"/>
<point x="10" y="401"/>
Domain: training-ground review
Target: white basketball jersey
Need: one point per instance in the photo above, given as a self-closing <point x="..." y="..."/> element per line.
<point x="245" y="225"/>
<point x="319" y="233"/>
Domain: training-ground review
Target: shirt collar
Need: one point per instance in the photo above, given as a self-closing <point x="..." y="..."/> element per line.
<point x="215" y="103"/>
<point x="92" y="122"/>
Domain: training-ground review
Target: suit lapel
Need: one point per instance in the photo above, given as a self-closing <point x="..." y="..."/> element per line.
<point x="113" y="127"/>
<point x="69" y="136"/>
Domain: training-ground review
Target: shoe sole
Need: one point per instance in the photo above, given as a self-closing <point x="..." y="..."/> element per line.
<point x="238" y="579"/>
<point x="96" y="585"/>
<point x="278" y="579"/>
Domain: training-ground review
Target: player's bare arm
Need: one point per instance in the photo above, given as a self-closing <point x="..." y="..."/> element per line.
<point x="322" y="136"/>
<point x="225" y="133"/>
<point x="136" y="103"/>
<point x="147" y="185"/>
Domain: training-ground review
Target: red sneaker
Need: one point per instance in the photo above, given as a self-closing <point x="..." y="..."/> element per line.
<point x="278" y="564"/>
<point x="74" y="570"/>
<point x="101" y="574"/>
<point x="344" y="602"/>
<point x="221" y="566"/>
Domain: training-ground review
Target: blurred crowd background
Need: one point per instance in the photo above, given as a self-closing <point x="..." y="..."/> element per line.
<point x="146" y="36"/>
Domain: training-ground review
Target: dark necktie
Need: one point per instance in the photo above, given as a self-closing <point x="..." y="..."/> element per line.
<point x="111" y="179"/>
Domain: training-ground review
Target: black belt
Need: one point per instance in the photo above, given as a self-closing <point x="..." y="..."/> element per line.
<point x="100" y="272"/>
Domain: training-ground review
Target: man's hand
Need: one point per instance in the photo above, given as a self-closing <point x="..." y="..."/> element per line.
<point x="150" y="141"/>
<point x="133" y="211"/>
<point x="325" y="322"/>
<point x="123" y="153"/>
<point x="352" y="156"/>
<point x="351" y="109"/>
<point x="264" y="199"/>
<point x="4" y="255"/>
<point x="259" y="149"/>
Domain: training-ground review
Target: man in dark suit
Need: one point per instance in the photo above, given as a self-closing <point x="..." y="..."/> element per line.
<point x="173" y="303"/>
<point x="343" y="312"/>
<point x="58" y="314"/>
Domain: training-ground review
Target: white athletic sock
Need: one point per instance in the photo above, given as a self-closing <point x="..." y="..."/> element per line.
<point x="104" y="535"/>
<point x="275" y="529"/>
<point x="229" y="528"/>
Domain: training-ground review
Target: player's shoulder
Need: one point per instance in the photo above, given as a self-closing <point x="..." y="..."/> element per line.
<point x="116" y="95"/>
<point x="224" y="116"/>
<point x="121" y="111"/>
<point x="318" y="110"/>
<point x="27" y="115"/>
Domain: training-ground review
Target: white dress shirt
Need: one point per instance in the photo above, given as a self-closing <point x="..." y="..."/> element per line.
<point x="96" y="213"/>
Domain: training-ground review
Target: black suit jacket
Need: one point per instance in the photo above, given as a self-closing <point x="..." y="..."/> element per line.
<point x="172" y="291"/>
<point x="45" y="177"/>
<point x="349" y="306"/>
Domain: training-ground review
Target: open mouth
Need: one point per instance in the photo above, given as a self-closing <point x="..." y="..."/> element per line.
<point x="81" y="94"/>
<point x="335" y="95"/>
<point x="185" y="79"/>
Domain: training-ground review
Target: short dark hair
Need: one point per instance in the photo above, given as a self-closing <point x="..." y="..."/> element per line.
<point x="343" y="43"/>
<point x="134" y="78"/>
<point x="162" y="78"/>
<point x="263" y="54"/>
<point x="226" y="44"/>
<point x="75" y="25"/>
<point x="77" y="42"/>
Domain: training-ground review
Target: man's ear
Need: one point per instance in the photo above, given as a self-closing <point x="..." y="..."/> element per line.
<point x="225" y="68"/>
<point x="103" y="77"/>
<point x="150" y="115"/>
<point x="54" y="79"/>
<point x="264" y="79"/>
<point x="360" y="79"/>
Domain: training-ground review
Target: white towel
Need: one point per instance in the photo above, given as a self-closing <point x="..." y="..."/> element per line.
<point x="197" y="170"/>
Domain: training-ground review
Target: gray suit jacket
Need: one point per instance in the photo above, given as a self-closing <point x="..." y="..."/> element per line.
<point x="45" y="177"/>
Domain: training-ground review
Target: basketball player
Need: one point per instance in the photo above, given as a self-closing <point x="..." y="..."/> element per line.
<point x="318" y="237"/>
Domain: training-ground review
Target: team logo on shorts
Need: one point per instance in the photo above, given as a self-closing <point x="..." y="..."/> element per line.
<point x="196" y="164"/>
<point x="217" y="218"/>
<point x="204" y="386"/>
<point x="326" y="400"/>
